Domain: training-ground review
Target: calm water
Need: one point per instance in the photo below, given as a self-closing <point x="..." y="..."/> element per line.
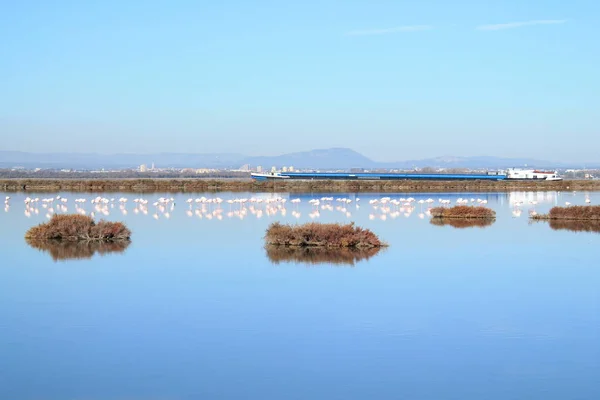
<point x="195" y="309"/>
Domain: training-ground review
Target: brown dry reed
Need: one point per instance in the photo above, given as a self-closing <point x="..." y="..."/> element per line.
<point x="584" y="213"/>
<point x="473" y="212"/>
<point x="61" y="250"/>
<point x="319" y="255"/>
<point x="73" y="227"/>
<point x="321" y="235"/>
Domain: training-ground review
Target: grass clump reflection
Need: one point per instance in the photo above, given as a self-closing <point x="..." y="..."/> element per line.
<point x="320" y="255"/>
<point x="70" y="250"/>
<point x="575" y="225"/>
<point x="463" y="223"/>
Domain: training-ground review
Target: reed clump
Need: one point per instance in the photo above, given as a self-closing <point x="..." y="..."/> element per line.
<point x="466" y="212"/>
<point x="73" y="227"/>
<point x="319" y="255"/>
<point x="582" y="213"/>
<point x="322" y="235"/>
<point x="462" y="223"/>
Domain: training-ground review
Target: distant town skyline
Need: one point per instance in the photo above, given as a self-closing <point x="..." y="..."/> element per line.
<point x="393" y="80"/>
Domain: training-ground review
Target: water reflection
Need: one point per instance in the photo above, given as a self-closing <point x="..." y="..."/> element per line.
<point x="575" y="225"/>
<point x="517" y="199"/>
<point x="463" y="222"/>
<point x="68" y="250"/>
<point x="285" y="205"/>
<point x="319" y="255"/>
<point x="522" y="295"/>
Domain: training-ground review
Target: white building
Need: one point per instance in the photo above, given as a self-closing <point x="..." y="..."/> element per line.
<point x="143" y="168"/>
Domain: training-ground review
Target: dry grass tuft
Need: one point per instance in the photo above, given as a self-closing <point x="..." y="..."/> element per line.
<point x="78" y="228"/>
<point x="321" y="235"/>
<point x="463" y="212"/>
<point x="319" y="255"/>
<point x="583" y="213"/>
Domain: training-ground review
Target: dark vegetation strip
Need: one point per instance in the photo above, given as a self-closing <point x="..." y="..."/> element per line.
<point x="322" y="235"/>
<point x="232" y="185"/>
<point x="463" y="212"/>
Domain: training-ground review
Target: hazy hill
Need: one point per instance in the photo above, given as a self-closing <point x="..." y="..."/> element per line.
<point x="340" y="158"/>
<point x="324" y="158"/>
<point x="97" y="161"/>
<point x="480" y="162"/>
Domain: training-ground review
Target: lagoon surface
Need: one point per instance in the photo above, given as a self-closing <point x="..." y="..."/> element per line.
<point x="194" y="308"/>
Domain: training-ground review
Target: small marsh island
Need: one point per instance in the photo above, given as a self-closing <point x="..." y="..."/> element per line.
<point x="72" y="236"/>
<point x="463" y="216"/>
<point x="322" y="235"/>
<point x="78" y="228"/>
<point x="572" y="213"/>
<point x="463" y="212"/>
<point x="572" y="218"/>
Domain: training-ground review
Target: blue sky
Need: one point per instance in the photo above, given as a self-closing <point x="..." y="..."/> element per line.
<point x="391" y="79"/>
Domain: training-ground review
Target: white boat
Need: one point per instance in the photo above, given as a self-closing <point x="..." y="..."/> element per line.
<point x="532" y="174"/>
<point x="263" y="177"/>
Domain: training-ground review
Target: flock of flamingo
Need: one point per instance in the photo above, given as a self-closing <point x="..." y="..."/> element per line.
<point x="240" y="207"/>
<point x="517" y="207"/>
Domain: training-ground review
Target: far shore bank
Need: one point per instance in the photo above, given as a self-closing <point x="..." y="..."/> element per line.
<point x="324" y="186"/>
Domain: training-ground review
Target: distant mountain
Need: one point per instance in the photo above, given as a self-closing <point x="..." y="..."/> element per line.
<point x="318" y="159"/>
<point x="334" y="158"/>
<point x="96" y="161"/>
<point x="479" y="162"/>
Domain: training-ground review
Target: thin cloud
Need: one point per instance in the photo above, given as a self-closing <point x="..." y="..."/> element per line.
<point x="513" y="25"/>
<point x="388" y="31"/>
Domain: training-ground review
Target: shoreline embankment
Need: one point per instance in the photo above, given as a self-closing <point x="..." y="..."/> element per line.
<point x="324" y="186"/>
